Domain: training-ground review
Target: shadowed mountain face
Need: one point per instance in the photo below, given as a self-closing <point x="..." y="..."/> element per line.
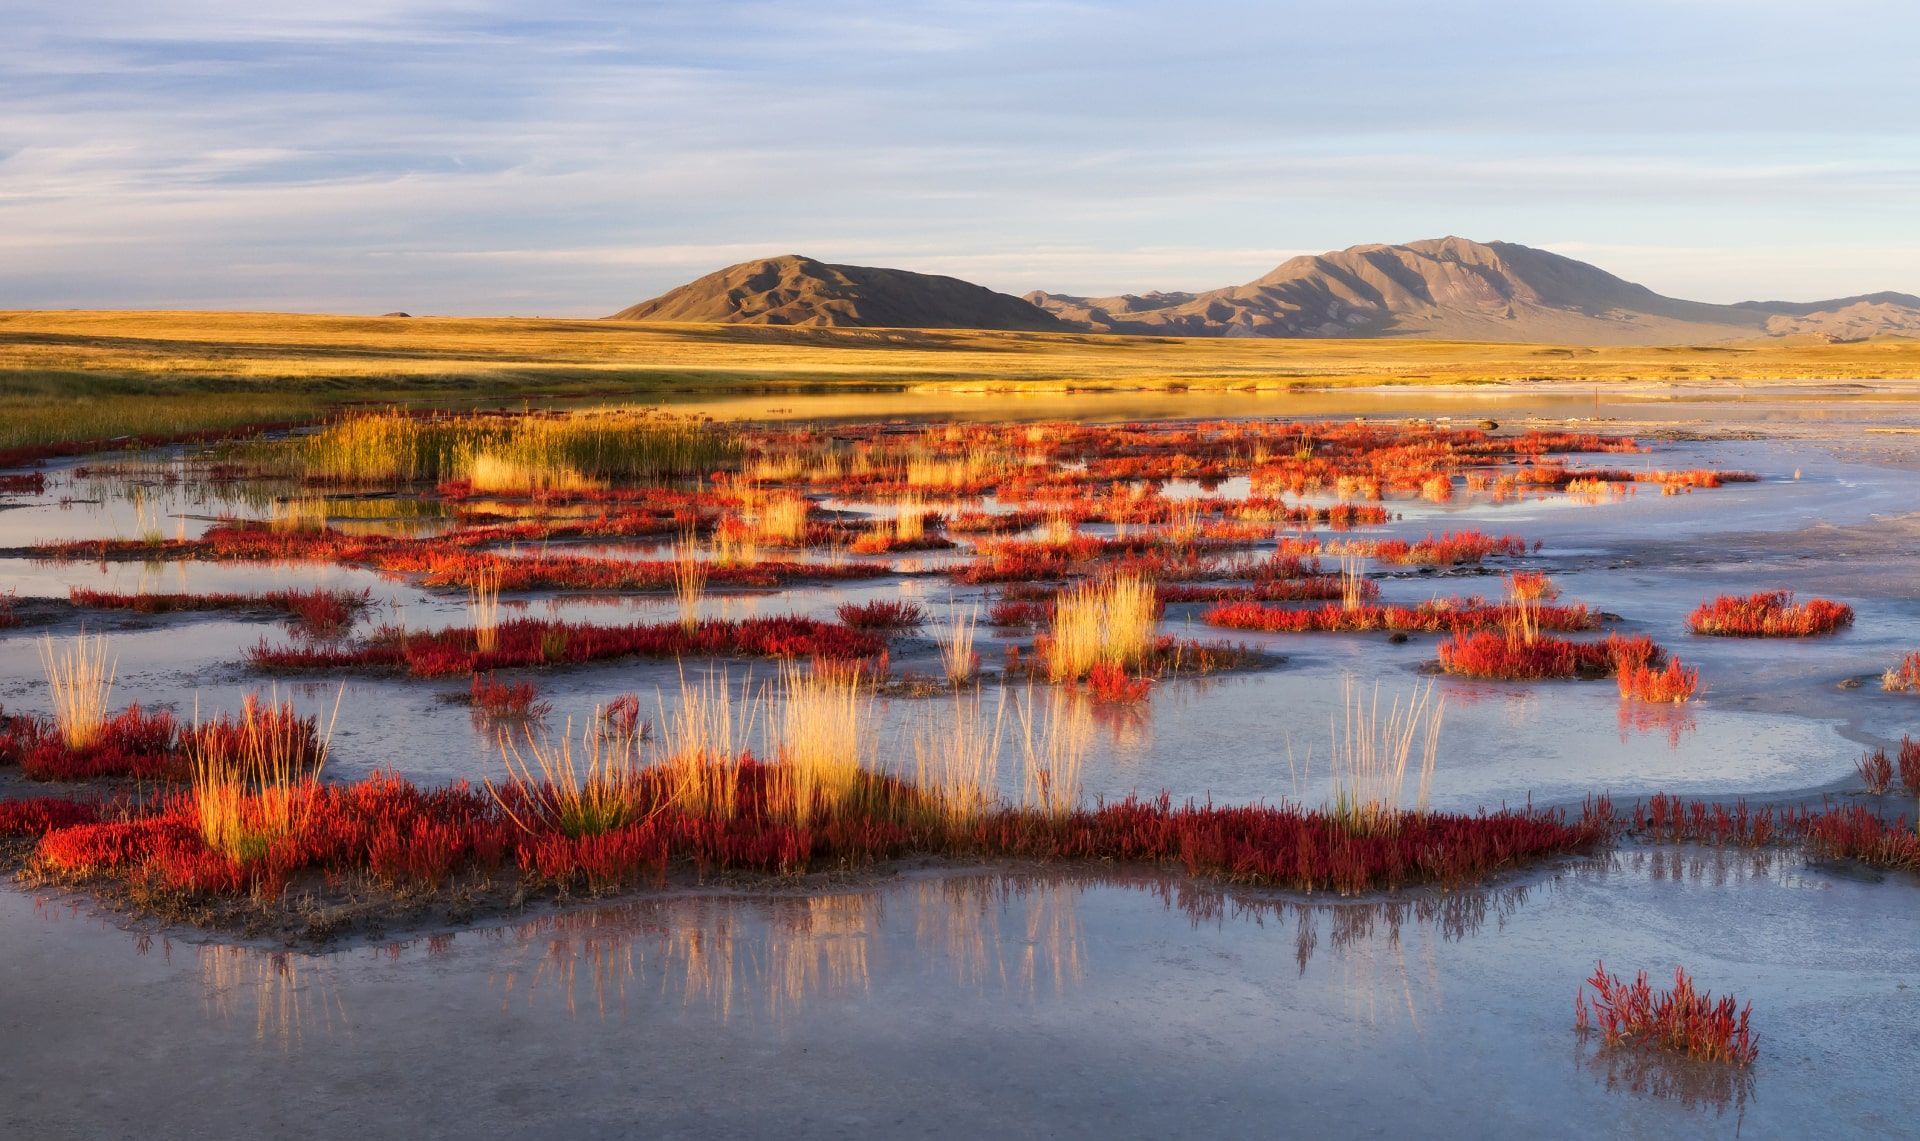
<point x="1456" y="289"/>
<point x="1447" y="288"/>
<point x="795" y="290"/>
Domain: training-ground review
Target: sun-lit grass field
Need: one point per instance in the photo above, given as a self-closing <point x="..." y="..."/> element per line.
<point x="57" y="367"/>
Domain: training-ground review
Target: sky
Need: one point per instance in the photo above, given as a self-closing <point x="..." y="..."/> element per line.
<point x="570" y="158"/>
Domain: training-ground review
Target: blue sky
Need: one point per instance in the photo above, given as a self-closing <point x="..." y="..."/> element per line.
<point x="569" y="158"/>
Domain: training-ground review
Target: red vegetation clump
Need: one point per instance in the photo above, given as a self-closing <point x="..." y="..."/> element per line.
<point x="503" y="701"/>
<point x="153" y="746"/>
<point x="1672" y="685"/>
<point x="1455" y="614"/>
<point x="318" y="612"/>
<point x="1669" y="819"/>
<point x="1485" y="654"/>
<point x="882" y="615"/>
<point x="538" y="642"/>
<point x="38" y="815"/>
<point x="1682" y="1020"/>
<point x="1111" y="683"/>
<point x="1450" y="549"/>
<point x="395" y="831"/>
<point x="27" y="483"/>
<point x="1910" y="765"/>
<point x="1876" y="771"/>
<point x="1905" y="677"/>
<point x="133" y="743"/>
<point x="1769" y="614"/>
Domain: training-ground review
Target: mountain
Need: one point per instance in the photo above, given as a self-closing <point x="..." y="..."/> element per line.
<point x="795" y="290"/>
<point x="1456" y="289"/>
<point x="1444" y="288"/>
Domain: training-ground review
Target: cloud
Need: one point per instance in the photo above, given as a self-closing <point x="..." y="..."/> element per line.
<point x="473" y="157"/>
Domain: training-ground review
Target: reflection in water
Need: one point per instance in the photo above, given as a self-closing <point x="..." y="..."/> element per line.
<point x="1691" y="1084"/>
<point x="284" y="994"/>
<point x="1638" y="717"/>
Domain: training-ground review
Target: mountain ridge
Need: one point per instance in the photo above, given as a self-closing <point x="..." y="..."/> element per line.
<point x="1449" y="288"/>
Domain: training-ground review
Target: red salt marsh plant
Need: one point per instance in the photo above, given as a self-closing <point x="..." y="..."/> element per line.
<point x="317" y="611"/>
<point x="1905" y="677"/>
<point x="884" y="614"/>
<point x="613" y="822"/>
<point x="1910" y="765"/>
<point x="1452" y="614"/>
<point x="38" y="815"/>
<point x="498" y="702"/>
<point x="541" y="642"/>
<point x="1876" y="771"/>
<point x="1484" y="654"/>
<point x="1682" y="1020"/>
<point x="1671" y="685"/>
<point x="1769" y="614"/>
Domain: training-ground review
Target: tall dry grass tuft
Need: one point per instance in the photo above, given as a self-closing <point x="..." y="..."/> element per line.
<point x="825" y="739"/>
<point x="958" y="659"/>
<point x="588" y="792"/>
<point x="701" y="742"/>
<point x="1353" y="582"/>
<point x="79" y="682"/>
<point x="689" y="581"/>
<point x="779" y="517"/>
<point x="956" y="763"/>
<point x="1101" y="623"/>
<point x="1053" y="749"/>
<point x="1372" y="751"/>
<point x="255" y="786"/>
<point x="483" y="607"/>
<point x="910" y="519"/>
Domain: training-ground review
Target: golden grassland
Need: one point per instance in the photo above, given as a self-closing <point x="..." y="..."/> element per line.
<point x="55" y="366"/>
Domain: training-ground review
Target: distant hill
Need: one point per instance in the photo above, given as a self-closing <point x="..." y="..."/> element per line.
<point x="1445" y="288"/>
<point x="795" y="290"/>
<point x="1456" y="289"/>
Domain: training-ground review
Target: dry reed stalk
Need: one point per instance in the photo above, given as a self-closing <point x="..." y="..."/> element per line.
<point x="1058" y="530"/>
<point x="79" y="683"/>
<point x="1052" y="760"/>
<point x="701" y="743"/>
<point x="689" y="581"/>
<point x="779" y="518"/>
<point x="824" y="739"/>
<point x="1101" y="623"/>
<point x="589" y="793"/>
<point x="262" y="791"/>
<point x="957" y="656"/>
<point x="1353" y="582"/>
<point x="483" y="604"/>
<point x="1371" y="753"/>
<point x="910" y="520"/>
<point x="957" y="762"/>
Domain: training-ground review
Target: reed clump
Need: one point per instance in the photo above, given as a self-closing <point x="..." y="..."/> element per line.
<point x="1109" y="622"/>
<point x="80" y="682"/>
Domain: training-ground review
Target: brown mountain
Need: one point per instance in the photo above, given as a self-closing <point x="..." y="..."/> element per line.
<point x="795" y="290"/>
<point x="1456" y="289"/>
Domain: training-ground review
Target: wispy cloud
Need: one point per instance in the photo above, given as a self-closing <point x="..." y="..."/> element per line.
<point x="470" y="157"/>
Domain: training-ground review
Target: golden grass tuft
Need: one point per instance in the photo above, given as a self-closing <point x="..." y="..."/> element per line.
<point x="1110" y="622"/>
<point x="79" y="683"/>
<point x="1373" y="750"/>
<point x="483" y="608"/>
<point x="825" y="739"/>
<point x="589" y="792"/>
<point x="255" y="788"/>
<point x="957" y="761"/>
<point x="689" y="581"/>
<point x="701" y="742"/>
<point x="1053" y="749"/>
<point x="957" y="656"/>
